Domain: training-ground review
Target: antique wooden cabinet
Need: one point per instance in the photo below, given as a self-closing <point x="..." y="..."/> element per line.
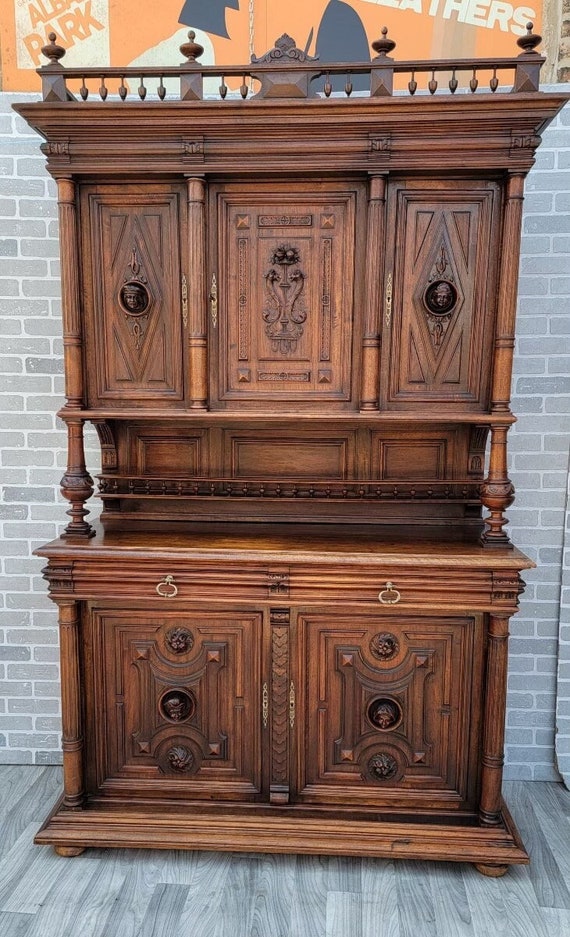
<point x="290" y="316"/>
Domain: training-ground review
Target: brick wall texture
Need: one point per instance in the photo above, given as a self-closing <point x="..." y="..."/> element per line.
<point x="32" y="457"/>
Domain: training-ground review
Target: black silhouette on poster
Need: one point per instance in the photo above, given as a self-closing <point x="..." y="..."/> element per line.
<point x="341" y="36"/>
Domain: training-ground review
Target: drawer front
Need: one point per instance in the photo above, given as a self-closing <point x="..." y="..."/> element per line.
<point x="389" y="710"/>
<point x="373" y="587"/>
<point x="175" y="703"/>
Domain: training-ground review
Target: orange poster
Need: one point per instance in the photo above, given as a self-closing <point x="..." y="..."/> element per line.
<point x="141" y="32"/>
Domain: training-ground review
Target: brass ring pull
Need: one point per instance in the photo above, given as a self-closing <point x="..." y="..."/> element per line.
<point x="167" y="588"/>
<point x="389" y="595"/>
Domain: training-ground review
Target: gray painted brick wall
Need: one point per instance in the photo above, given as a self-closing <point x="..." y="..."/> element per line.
<point x="32" y="456"/>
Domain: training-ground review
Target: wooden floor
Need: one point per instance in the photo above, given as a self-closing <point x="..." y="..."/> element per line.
<point x="141" y="893"/>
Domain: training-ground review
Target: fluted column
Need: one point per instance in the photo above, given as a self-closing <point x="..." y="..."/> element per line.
<point x="197" y="302"/>
<point x="72" y="734"/>
<point x="494" y="720"/>
<point x="375" y="247"/>
<point x="507" y="302"/>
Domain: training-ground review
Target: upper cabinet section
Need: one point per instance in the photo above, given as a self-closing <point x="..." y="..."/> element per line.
<point x="133" y="306"/>
<point x="278" y="248"/>
<point x="283" y="322"/>
<point x="442" y="272"/>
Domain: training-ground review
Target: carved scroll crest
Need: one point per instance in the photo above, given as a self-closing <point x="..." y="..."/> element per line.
<point x="284" y="81"/>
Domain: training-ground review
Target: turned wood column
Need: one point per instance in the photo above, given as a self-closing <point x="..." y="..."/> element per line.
<point x="494" y="720"/>
<point x="76" y="484"/>
<point x="72" y="730"/>
<point x="507" y="302"/>
<point x="375" y="247"/>
<point x="497" y="491"/>
<point x="196" y="289"/>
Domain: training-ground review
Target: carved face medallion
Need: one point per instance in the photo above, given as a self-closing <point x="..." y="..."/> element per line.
<point x="384" y="713"/>
<point x="440" y="297"/>
<point x="177" y="705"/>
<point x="134" y="298"/>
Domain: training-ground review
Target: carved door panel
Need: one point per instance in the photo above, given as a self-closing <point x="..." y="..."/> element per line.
<point x="440" y="292"/>
<point x="179" y="699"/>
<point x="387" y="710"/>
<point x="284" y="322"/>
<point x="133" y="297"/>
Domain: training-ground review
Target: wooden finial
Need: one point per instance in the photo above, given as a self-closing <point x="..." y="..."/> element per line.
<point x="384" y="45"/>
<point x="529" y="41"/>
<point x="53" y="52"/>
<point x="191" y="50"/>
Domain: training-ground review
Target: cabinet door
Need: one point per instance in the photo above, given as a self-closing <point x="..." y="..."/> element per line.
<point x="285" y="267"/>
<point x="441" y="260"/>
<point x="175" y="707"/>
<point x="387" y="712"/>
<point x="133" y="298"/>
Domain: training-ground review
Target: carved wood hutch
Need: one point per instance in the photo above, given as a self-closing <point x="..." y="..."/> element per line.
<point x="290" y="315"/>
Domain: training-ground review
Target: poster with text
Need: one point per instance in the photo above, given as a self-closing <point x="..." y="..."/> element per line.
<point x="141" y="32"/>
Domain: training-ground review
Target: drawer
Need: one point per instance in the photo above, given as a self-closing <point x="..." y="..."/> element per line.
<point x="354" y="585"/>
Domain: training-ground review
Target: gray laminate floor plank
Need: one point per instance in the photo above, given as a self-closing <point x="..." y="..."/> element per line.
<point x="555" y="798"/>
<point x="56" y="908"/>
<point x="415" y="903"/>
<point x="236" y="907"/>
<point x="164" y="911"/>
<point x="145" y="872"/>
<point x="13" y="924"/>
<point x="202" y="909"/>
<point x="344" y="914"/>
<point x="526" y="918"/>
<point x="15" y="780"/>
<point x="485" y="897"/>
<point x="274" y="883"/>
<point x="557" y="922"/>
<point x="545" y="874"/>
<point x="93" y="903"/>
<point x="27" y="874"/>
<point x="344" y="874"/>
<point x="450" y="903"/>
<point x="32" y="805"/>
<point x="309" y="910"/>
<point x="379" y="899"/>
<point x="556" y="829"/>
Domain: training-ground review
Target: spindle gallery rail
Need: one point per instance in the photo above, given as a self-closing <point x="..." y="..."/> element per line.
<point x="115" y="486"/>
<point x="288" y="72"/>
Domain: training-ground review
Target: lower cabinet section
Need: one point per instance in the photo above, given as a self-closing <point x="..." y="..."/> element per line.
<point x="284" y="724"/>
<point x="284" y="706"/>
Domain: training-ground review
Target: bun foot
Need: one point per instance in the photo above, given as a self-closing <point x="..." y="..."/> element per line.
<point x="69" y="851"/>
<point x="492" y="871"/>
